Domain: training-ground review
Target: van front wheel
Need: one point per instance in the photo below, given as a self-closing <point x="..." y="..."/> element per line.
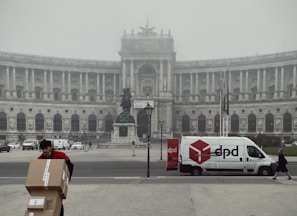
<point x="264" y="171"/>
<point x="196" y="171"/>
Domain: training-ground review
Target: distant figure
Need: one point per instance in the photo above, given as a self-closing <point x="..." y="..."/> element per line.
<point x="90" y="146"/>
<point x="282" y="161"/>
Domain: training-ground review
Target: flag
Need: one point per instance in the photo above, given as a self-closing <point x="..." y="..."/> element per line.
<point x="224" y="94"/>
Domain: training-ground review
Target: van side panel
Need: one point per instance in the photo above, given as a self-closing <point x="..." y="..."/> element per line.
<point x="222" y="154"/>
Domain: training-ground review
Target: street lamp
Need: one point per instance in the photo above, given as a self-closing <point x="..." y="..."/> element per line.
<point x="148" y="111"/>
<point x="161" y="123"/>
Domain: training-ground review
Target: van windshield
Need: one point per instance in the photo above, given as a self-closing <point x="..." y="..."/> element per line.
<point x="254" y="152"/>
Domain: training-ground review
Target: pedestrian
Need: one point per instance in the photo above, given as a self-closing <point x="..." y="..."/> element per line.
<point x="90" y="145"/>
<point x="48" y="152"/>
<point x="282" y="161"/>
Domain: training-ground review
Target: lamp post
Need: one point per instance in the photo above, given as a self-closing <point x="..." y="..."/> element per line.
<point x="161" y="123"/>
<point x="148" y="111"/>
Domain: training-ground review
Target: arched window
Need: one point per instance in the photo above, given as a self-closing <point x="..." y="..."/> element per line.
<point x="252" y="123"/>
<point x="269" y="123"/>
<point x="21" y="122"/>
<point x="201" y="123"/>
<point x="235" y="123"/>
<point x="287" y="122"/>
<point x="39" y="122"/>
<point x="3" y="121"/>
<point x="92" y="123"/>
<point x="57" y="122"/>
<point x="217" y="123"/>
<point x="185" y="123"/>
<point x="75" y="123"/>
<point x="108" y="123"/>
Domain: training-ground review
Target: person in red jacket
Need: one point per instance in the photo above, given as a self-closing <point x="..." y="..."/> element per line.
<point x="48" y="152"/>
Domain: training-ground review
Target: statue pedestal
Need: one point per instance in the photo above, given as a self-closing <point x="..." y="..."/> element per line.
<point x="124" y="133"/>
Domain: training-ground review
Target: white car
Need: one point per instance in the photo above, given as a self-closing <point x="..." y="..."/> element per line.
<point x="30" y="144"/>
<point x="77" y="146"/>
<point x="14" y="145"/>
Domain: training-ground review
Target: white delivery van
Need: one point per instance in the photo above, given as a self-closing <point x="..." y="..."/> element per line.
<point x="230" y="154"/>
<point x="58" y="144"/>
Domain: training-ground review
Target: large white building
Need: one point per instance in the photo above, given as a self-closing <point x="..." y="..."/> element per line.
<point x="50" y="96"/>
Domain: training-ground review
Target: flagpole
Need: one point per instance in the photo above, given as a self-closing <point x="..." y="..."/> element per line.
<point x="221" y="91"/>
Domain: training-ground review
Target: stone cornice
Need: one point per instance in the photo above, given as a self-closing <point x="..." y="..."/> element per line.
<point x="56" y="61"/>
<point x="240" y="61"/>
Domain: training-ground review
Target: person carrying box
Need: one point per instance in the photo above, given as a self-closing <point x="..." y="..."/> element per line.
<point x="48" y="152"/>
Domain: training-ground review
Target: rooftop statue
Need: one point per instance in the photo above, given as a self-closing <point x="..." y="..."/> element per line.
<point x="147" y="30"/>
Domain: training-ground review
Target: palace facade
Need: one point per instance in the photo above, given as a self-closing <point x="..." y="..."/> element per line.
<point x="44" y="96"/>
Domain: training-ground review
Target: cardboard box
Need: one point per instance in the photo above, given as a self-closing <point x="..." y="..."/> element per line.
<point x="41" y="213"/>
<point x="53" y="203"/>
<point x="36" y="202"/>
<point x="48" y="175"/>
<point x="53" y="198"/>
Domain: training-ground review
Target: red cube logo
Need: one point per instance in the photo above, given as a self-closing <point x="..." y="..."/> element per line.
<point x="199" y="151"/>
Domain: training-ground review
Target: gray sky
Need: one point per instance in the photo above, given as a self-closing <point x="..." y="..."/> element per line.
<point x="92" y="29"/>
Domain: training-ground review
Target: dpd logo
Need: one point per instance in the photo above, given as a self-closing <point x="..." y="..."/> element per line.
<point x="199" y="151"/>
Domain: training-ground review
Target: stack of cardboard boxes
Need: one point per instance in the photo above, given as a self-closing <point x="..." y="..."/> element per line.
<point x="47" y="182"/>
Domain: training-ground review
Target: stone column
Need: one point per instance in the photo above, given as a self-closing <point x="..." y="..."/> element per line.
<point x="45" y="85"/>
<point x="51" y="86"/>
<point x="103" y="87"/>
<point x="87" y="87"/>
<point x="13" y="83"/>
<point x="246" y="97"/>
<point x="180" y="87"/>
<point x="81" y="92"/>
<point x="294" y="93"/>
<point x="197" y="88"/>
<point x="169" y="73"/>
<point x="191" y="87"/>
<point x="63" y="86"/>
<point x="98" y="87"/>
<point x="282" y="83"/>
<point x="161" y="84"/>
<point x="258" y="84"/>
<point x="26" y="84"/>
<point x="275" y="83"/>
<point x="124" y="75"/>
<point x="7" y="82"/>
<point x="207" y="88"/>
<point x="212" y="87"/>
<point x="132" y="77"/>
<point x="115" y="87"/>
<point x="240" y="86"/>
<point x="69" y="86"/>
<point x="33" y="83"/>
<point x="264" y="84"/>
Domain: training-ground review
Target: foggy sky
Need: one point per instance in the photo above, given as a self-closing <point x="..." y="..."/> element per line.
<point x="92" y="29"/>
